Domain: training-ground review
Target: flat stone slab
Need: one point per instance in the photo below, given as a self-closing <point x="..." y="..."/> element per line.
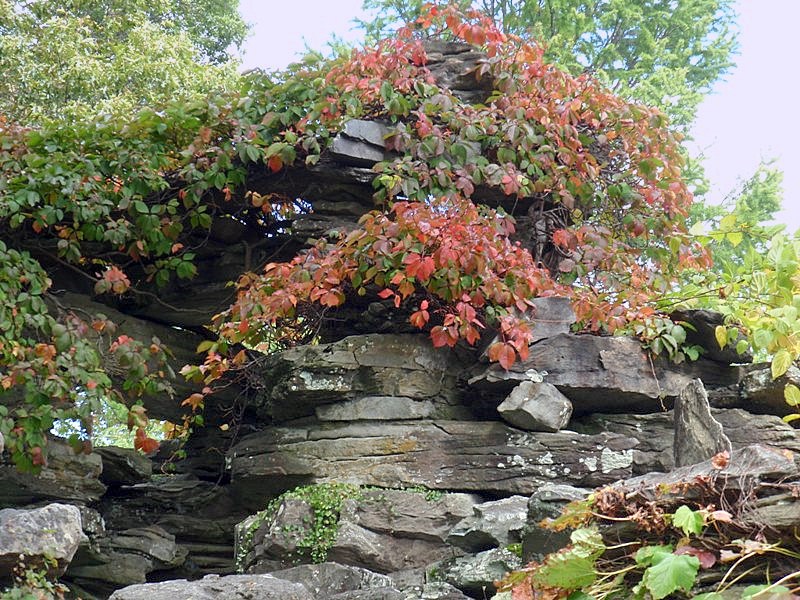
<point x="441" y="455"/>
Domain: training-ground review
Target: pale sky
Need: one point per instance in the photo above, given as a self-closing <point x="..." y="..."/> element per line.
<point x="754" y="114"/>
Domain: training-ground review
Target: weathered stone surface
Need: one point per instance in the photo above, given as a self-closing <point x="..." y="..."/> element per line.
<point x="603" y="374"/>
<point x="67" y="477"/>
<point x="361" y="143"/>
<point x="124" y="466"/>
<point x="376" y="408"/>
<point x="655" y="434"/>
<point x="303" y="378"/>
<point x="475" y="574"/>
<point x="480" y="456"/>
<point x="493" y="524"/>
<point x="746" y="465"/>
<point x="551" y="316"/>
<point x="536" y="407"/>
<point x="52" y="532"/>
<point x="408" y="514"/>
<point x="436" y="590"/>
<point x="330" y="578"/>
<point x="212" y="587"/>
<point x="702" y="332"/>
<point x="698" y="436"/>
<point x="546" y="503"/>
<point x="760" y="393"/>
<point x="125" y="557"/>
<point x="265" y="543"/>
<point x="454" y="66"/>
<point x="356" y="545"/>
<point x="371" y="594"/>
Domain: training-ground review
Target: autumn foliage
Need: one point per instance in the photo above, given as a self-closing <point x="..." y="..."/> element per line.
<point x="551" y="186"/>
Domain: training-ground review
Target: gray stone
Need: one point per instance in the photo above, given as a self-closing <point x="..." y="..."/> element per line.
<point x="299" y="380"/>
<point x="547" y="503"/>
<point x="124" y="466"/>
<point x="356" y="545"/>
<point x="698" y="436"/>
<point x="40" y="535"/>
<point x="655" y="433"/>
<point x="760" y="393"/>
<point x="371" y="594"/>
<point x="444" y="455"/>
<point x="361" y="143"/>
<point x="494" y="524"/>
<point x="437" y="590"/>
<point x="212" y="587"/>
<point x="409" y="514"/>
<point x="536" y="407"/>
<point x="124" y="558"/>
<point x="475" y="574"/>
<point x="267" y="542"/>
<point x="376" y="408"/>
<point x="69" y="477"/>
<point x="551" y="316"/>
<point x="329" y="578"/>
<point x="603" y="374"/>
<point x="746" y="467"/>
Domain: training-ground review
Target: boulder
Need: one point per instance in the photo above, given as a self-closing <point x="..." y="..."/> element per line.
<point x="267" y="541"/>
<point x="361" y="143"/>
<point x="124" y="466"/>
<point x="299" y="380"/>
<point x="698" y="436"/>
<point x="536" y="407"/>
<point x="409" y="514"/>
<point x="655" y="434"/>
<point x="493" y="524"/>
<point x="440" y="455"/>
<point x="46" y="537"/>
<point x="475" y="574"/>
<point x="68" y="477"/>
<point x="603" y="374"/>
<point x="760" y="393"/>
<point x="329" y="579"/>
<point x="212" y="587"/>
<point x="123" y="558"/>
<point x="547" y="503"/>
<point x="356" y="545"/>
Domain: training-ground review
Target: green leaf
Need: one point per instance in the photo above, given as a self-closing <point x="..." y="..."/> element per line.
<point x="775" y="591"/>
<point x="644" y="556"/>
<point x="670" y="573"/>
<point x="710" y="596"/>
<point x="791" y="394"/>
<point x="587" y="542"/>
<point x="687" y="520"/>
<point x="567" y="570"/>
<point x="781" y="363"/>
<point x="721" y="333"/>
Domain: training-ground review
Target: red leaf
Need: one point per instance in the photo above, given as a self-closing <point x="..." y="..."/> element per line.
<point x="441" y="336"/>
<point x="275" y="163"/>
<point x="419" y="319"/>
<point x="385" y="293"/>
<point x="707" y="559"/>
<point x="503" y="353"/>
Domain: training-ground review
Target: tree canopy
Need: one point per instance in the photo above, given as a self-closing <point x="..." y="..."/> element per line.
<point x="75" y="58"/>
<point x="660" y="52"/>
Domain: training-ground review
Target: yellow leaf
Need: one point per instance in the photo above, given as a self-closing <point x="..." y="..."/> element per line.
<point x="735" y="237"/>
<point x="781" y="363"/>
<point x="791" y="394"/>
<point x="790" y="418"/>
<point x="721" y="333"/>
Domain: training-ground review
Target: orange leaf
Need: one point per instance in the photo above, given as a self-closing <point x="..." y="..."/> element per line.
<point x="195" y="401"/>
<point x="275" y="163"/>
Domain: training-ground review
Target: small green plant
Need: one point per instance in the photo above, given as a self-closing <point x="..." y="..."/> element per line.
<point x="673" y="543"/>
<point x="31" y="583"/>
<point x="325" y="500"/>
